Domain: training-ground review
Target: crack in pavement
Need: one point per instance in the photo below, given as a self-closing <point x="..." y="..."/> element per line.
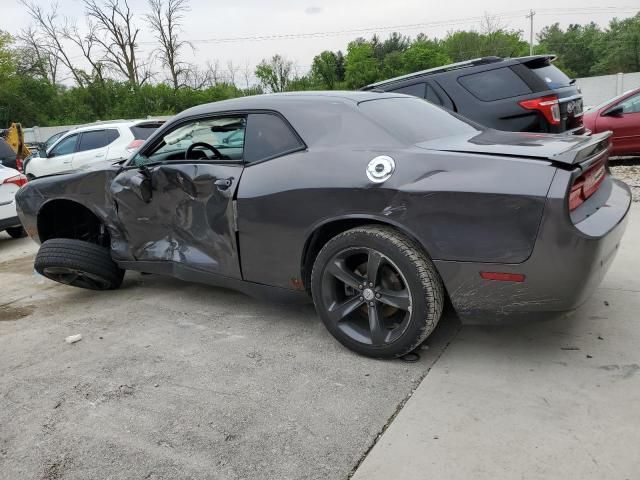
<point x="401" y="404"/>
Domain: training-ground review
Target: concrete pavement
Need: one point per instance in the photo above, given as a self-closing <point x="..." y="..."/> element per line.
<point x="181" y="381"/>
<point x="548" y="400"/>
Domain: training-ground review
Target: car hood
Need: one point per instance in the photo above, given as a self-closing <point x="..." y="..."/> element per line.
<point x="566" y="149"/>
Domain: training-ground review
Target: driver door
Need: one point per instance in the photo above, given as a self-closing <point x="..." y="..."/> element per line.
<point x="175" y="201"/>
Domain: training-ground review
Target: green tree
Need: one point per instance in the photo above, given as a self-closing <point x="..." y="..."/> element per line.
<point x="619" y="50"/>
<point x="577" y="47"/>
<point x="275" y="74"/>
<point x="325" y="70"/>
<point x="361" y="66"/>
<point x="423" y="54"/>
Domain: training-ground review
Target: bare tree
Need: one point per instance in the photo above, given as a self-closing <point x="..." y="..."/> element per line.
<point x="117" y="34"/>
<point x="247" y="74"/>
<point x="36" y="57"/>
<point x="50" y="37"/>
<point x="87" y="43"/>
<point x="165" y="22"/>
<point x="232" y="70"/>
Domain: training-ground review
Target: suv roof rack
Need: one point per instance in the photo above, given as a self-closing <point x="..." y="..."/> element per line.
<point x="443" y="68"/>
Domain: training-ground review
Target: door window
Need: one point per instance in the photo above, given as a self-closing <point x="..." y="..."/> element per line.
<point x="96" y="139"/>
<point x="65" y="147"/>
<point x="218" y="139"/>
<point x="269" y="136"/>
<point x="631" y="105"/>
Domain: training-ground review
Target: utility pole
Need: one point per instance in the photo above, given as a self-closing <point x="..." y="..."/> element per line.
<point x="530" y="16"/>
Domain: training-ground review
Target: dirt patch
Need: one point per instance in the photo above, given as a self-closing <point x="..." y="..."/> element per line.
<point x="18" y="265"/>
<point x="628" y="170"/>
<point x="9" y="313"/>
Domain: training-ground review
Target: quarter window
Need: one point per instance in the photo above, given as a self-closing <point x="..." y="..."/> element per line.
<point x="268" y="136"/>
<point x="495" y="84"/>
<point x="65" y="147"/>
<point x="417" y="90"/>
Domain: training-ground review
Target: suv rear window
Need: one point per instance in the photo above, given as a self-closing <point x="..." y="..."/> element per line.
<point x="495" y="84"/>
<point x="552" y="76"/>
<point x="415" y="120"/>
<point x="144" y="130"/>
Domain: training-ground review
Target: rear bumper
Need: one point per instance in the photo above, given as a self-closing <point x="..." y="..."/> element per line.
<point x="567" y="264"/>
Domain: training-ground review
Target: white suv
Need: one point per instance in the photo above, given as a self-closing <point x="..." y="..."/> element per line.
<point x="10" y="182"/>
<point x="96" y="143"/>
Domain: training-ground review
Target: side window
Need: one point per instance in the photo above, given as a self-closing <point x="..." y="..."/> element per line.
<point x="631" y="105"/>
<point x="495" y="84"/>
<point x="417" y="90"/>
<point x="93" y="140"/>
<point x="65" y="147"/>
<point x="268" y="136"/>
<point x="210" y="139"/>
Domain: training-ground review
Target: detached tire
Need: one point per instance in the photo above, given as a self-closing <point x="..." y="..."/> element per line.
<point x="377" y="291"/>
<point x="78" y="263"/>
<point x="16" y="232"/>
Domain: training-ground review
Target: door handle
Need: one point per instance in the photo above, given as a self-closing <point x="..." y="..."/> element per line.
<point x="223" y="183"/>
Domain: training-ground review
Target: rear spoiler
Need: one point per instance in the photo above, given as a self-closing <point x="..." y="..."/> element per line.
<point x="588" y="149"/>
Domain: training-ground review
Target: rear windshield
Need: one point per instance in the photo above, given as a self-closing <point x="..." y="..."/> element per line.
<point x="552" y="76"/>
<point x="5" y="150"/>
<point x="144" y="130"/>
<point x="416" y="120"/>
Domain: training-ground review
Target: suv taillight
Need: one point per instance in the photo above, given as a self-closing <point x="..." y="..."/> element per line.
<point x="133" y="146"/>
<point x="586" y="185"/>
<point x="18" y="180"/>
<point x="548" y="106"/>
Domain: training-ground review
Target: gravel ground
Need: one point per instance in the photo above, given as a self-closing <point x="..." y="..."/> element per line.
<point x="628" y="170"/>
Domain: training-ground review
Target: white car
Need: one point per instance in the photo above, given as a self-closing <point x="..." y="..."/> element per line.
<point x="96" y="143"/>
<point x="10" y="182"/>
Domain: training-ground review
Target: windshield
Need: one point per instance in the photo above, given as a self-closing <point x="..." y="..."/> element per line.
<point x="611" y="100"/>
<point x="208" y="139"/>
<point x="552" y="76"/>
<point x="416" y="120"/>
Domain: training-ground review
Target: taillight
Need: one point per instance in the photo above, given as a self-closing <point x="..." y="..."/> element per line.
<point x="20" y="165"/>
<point x="18" y="180"/>
<point x="586" y="185"/>
<point x="133" y="146"/>
<point x="548" y="106"/>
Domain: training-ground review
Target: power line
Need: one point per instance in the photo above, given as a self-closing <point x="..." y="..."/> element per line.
<point x="413" y="26"/>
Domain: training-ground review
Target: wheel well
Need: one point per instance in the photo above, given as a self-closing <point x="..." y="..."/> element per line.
<point x="69" y="219"/>
<point x="322" y="235"/>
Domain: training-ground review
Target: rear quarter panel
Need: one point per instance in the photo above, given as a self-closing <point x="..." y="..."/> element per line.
<point x="460" y="207"/>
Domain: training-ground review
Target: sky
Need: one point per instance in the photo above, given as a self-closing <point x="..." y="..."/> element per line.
<point x="335" y="21"/>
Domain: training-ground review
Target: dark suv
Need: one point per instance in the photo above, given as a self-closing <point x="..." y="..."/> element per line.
<point x="526" y="94"/>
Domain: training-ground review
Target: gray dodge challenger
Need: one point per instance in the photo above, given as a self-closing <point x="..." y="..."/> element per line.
<point x="380" y="207"/>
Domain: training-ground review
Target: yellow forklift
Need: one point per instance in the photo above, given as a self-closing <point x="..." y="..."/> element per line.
<point x="13" y="150"/>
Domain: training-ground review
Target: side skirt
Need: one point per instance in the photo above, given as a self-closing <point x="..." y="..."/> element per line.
<point x="190" y="274"/>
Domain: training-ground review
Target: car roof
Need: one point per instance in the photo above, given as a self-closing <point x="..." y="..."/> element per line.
<point x="476" y="62"/>
<point x="112" y="124"/>
<point x="275" y="101"/>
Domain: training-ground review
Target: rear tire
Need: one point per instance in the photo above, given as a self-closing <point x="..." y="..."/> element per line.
<point x="377" y="291"/>
<point x="79" y="264"/>
<point x="16" y="232"/>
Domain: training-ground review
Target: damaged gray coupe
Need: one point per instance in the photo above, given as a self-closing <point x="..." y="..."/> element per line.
<point x="380" y="207"/>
